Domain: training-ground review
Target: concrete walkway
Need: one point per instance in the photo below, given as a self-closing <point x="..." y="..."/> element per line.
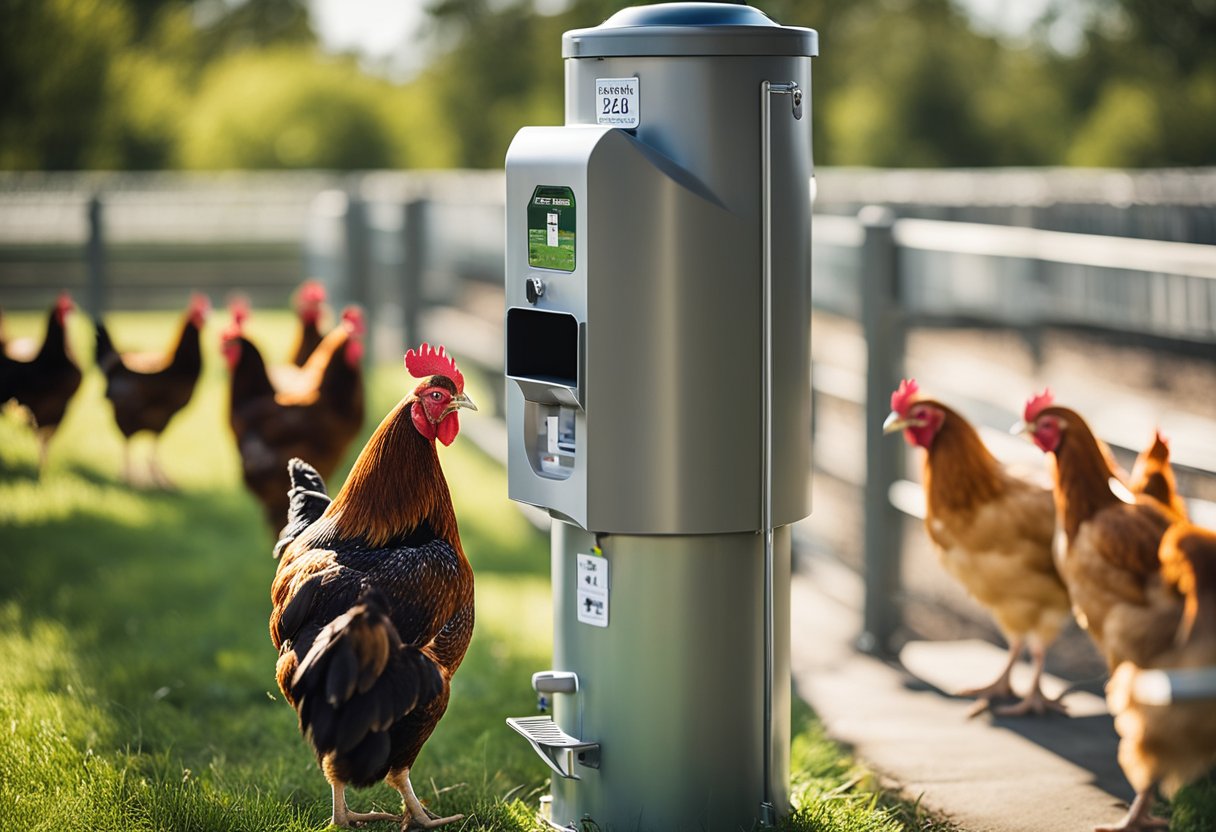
<point x="987" y="774"/>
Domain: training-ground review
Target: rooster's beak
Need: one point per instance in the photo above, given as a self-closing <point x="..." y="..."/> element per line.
<point x="894" y="422"/>
<point x="1020" y="429"/>
<point x="460" y="401"/>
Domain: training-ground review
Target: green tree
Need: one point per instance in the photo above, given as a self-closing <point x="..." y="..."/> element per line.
<point x="284" y="108"/>
<point x="56" y="58"/>
<point x="1143" y="86"/>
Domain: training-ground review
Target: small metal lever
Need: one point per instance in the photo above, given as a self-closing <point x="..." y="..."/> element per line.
<point x="555" y="681"/>
<point x="794" y="92"/>
<point x="534" y="289"/>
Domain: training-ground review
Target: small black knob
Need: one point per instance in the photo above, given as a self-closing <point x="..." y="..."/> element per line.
<point x="534" y="287"/>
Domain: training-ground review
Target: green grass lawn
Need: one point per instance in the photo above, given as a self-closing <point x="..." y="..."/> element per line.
<point x="136" y="672"/>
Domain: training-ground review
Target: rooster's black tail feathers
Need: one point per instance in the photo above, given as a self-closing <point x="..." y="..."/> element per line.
<point x="355" y="684"/>
<point x="106" y="356"/>
<point x="307" y="498"/>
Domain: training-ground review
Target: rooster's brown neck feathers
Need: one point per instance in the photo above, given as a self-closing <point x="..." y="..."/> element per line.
<point x="960" y="473"/>
<point x="395" y="486"/>
<point x="1083" y="473"/>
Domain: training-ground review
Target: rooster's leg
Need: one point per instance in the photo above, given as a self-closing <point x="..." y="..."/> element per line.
<point x="419" y="817"/>
<point x="44" y="444"/>
<point x="154" y="468"/>
<point x="350" y="820"/>
<point x="1034" y="702"/>
<point x="1000" y="687"/>
<point x="1138" y="818"/>
<point x="126" y="462"/>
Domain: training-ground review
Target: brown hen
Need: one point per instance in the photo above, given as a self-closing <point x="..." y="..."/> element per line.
<point x="993" y="532"/>
<point x="1107" y="541"/>
<point x="316" y="420"/>
<point x="1153" y="475"/>
<point x="147" y="391"/>
<point x="45" y="383"/>
<point x="1163" y="742"/>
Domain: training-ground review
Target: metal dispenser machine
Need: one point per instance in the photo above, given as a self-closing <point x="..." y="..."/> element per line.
<point x="658" y="406"/>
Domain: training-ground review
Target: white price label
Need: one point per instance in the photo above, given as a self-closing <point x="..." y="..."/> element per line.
<point x="591" y="594"/>
<point x="616" y="102"/>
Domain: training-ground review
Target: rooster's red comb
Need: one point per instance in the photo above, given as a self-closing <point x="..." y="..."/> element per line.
<point x="431" y="362"/>
<point x="200" y="303"/>
<point x="239" y="308"/>
<point x="353" y="316"/>
<point x="231" y="332"/>
<point x="311" y="292"/>
<point x="64" y="302"/>
<point x="1036" y="404"/>
<point x="902" y="398"/>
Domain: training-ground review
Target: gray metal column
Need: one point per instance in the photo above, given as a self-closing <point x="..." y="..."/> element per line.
<point x="884" y="331"/>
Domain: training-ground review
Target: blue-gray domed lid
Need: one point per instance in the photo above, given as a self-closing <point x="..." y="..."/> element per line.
<point x="689" y="29"/>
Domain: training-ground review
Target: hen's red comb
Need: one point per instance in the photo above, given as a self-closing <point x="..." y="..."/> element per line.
<point x="231" y="332"/>
<point x="431" y="362"/>
<point x="1037" y="404"/>
<point x="239" y="307"/>
<point x="353" y="316"/>
<point x="311" y="292"/>
<point x="64" y="302"/>
<point x="902" y="398"/>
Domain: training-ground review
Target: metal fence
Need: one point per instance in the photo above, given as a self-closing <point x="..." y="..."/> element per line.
<point x="896" y="276"/>
<point x="423" y="253"/>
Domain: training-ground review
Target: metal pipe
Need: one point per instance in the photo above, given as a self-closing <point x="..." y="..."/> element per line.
<point x="768" y="813"/>
<point x="1164" y="687"/>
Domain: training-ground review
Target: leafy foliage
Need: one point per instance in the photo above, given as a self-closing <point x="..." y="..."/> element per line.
<point x="284" y="109"/>
<point x="153" y="83"/>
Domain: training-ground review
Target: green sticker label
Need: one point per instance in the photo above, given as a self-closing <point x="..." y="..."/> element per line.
<point x="551" y="228"/>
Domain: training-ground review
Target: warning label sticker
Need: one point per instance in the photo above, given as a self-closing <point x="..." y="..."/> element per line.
<point x="592" y="590"/>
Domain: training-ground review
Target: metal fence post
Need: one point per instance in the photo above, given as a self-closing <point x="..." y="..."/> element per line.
<point x="883" y="328"/>
<point x="357" y="255"/>
<point x="413" y="262"/>
<point x="95" y="257"/>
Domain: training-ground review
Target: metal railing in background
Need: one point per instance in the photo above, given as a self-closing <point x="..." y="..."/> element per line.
<point x="143" y="241"/>
<point x="422" y="252"/>
<point x="899" y="275"/>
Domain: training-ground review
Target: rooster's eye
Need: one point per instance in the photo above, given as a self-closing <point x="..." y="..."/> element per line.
<point x="436" y="396"/>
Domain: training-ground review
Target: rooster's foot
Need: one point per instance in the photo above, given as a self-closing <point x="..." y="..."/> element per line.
<point x="419" y="816"/>
<point x="1139" y="825"/>
<point x="1138" y="818"/>
<point x="355" y="820"/>
<point x="347" y="819"/>
<point x="429" y="822"/>
<point x="1000" y="689"/>
<point x="160" y="479"/>
<point x="1033" y="703"/>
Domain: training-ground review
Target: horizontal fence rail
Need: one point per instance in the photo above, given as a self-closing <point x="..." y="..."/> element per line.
<point x="423" y="253"/>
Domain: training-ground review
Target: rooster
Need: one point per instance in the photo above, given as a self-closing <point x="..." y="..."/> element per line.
<point x="1152" y="475"/>
<point x="310" y="300"/>
<point x="1107" y="540"/>
<point x="147" y="391"/>
<point x="44" y="384"/>
<point x="316" y="420"/>
<point x="373" y="598"/>
<point x="1164" y="743"/>
<point x="993" y="533"/>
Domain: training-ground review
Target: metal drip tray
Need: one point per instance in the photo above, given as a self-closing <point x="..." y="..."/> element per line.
<point x="558" y="749"/>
